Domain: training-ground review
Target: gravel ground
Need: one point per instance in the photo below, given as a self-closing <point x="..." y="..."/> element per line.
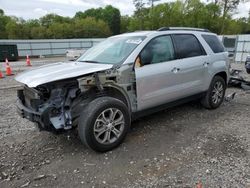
<point x="183" y="146"/>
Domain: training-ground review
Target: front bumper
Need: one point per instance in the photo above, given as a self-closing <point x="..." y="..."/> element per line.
<point x="27" y="113"/>
<point x="33" y="116"/>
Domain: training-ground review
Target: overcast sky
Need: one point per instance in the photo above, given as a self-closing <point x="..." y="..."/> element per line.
<point x="30" y="9"/>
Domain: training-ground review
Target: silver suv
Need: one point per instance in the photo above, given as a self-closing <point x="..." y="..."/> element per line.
<point x="122" y="78"/>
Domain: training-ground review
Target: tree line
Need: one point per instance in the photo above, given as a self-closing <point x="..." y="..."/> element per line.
<point x="101" y="22"/>
<point x="217" y="16"/>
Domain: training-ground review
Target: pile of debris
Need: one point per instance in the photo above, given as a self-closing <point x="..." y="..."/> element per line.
<point x="237" y="80"/>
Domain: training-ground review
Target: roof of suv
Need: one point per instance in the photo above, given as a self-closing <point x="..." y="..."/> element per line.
<point x="167" y="30"/>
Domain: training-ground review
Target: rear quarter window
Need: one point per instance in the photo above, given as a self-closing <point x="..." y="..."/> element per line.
<point x="214" y="43"/>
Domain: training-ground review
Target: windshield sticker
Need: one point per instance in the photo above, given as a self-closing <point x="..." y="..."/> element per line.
<point x="134" y="41"/>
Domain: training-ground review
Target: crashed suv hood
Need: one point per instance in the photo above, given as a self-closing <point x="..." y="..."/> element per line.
<point x="58" y="71"/>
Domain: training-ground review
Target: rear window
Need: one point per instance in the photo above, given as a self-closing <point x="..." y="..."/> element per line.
<point x="214" y="43"/>
<point x="187" y="46"/>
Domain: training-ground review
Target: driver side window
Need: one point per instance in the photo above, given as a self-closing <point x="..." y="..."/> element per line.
<point x="158" y="50"/>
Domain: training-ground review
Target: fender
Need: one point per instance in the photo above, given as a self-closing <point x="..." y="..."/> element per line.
<point x="106" y="84"/>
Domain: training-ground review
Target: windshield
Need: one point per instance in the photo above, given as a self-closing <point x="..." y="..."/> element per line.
<point x="112" y="50"/>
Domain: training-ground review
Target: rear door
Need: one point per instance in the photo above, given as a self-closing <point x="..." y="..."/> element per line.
<point x="193" y="64"/>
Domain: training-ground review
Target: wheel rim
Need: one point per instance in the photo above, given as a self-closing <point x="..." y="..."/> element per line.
<point x="109" y="126"/>
<point x="217" y="92"/>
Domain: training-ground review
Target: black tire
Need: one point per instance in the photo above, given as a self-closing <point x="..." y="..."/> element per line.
<point x="88" y="121"/>
<point x="248" y="71"/>
<point x="207" y="101"/>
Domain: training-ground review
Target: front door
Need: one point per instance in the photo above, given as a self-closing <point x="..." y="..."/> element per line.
<point x="157" y="78"/>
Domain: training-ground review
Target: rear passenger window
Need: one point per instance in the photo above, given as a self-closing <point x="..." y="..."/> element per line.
<point x="187" y="46"/>
<point x="214" y="43"/>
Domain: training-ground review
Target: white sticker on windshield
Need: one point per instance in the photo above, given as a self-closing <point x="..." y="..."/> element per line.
<point x="134" y="41"/>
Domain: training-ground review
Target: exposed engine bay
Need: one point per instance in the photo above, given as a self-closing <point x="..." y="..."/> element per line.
<point x="57" y="105"/>
<point x="51" y="103"/>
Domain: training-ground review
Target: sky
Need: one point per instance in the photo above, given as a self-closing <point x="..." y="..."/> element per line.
<point x="31" y="9"/>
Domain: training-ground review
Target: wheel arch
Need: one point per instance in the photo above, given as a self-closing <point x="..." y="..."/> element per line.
<point x="118" y="93"/>
<point x="112" y="91"/>
<point x="222" y="74"/>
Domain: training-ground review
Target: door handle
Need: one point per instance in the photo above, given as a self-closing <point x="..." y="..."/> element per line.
<point x="205" y="64"/>
<point x="175" y="70"/>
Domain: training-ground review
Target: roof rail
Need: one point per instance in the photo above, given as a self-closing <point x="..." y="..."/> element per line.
<point x="182" y="28"/>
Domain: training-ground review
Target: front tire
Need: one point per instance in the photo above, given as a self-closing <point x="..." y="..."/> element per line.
<point x="104" y="123"/>
<point x="215" y="94"/>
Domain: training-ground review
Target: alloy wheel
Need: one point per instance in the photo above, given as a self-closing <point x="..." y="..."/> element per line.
<point x="109" y="126"/>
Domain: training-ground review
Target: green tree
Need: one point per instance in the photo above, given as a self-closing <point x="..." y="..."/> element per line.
<point x="3" y="22"/>
<point x="212" y="11"/>
<point x="90" y="27"/>
<point x="112" y="16"/>
<point x="38" y="32"/>
<point x="194" y="12"/>
<point x="109" y="14"/>
<point x="228" y="7"/>
<point x="139" y="12"/>
<point x="216" y="16"/>
<point x="59" y="31"/>
<point x="50" y="19"/>
<point x="94" y="13"/>
<point x="13" y="30"/>
<point x="125" y="22"/>
<point x="1" y="12"/>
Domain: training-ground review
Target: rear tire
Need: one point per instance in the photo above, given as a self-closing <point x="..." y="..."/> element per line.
<point x="215" y="94"/>
<point x="104" y="124"/>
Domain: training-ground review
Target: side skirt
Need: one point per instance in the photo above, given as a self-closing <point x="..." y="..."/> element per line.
<point x="149" y="111"/>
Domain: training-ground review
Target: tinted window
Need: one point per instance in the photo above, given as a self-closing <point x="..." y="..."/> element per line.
<point x="214" y="43"/>
<point x="158" y="50"/>
<point x="187" y="46"/>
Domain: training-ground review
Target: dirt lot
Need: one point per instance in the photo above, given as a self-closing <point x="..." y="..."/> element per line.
<point x="178" y="147"/>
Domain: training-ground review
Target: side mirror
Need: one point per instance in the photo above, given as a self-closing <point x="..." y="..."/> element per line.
<point x="230" y="55"/>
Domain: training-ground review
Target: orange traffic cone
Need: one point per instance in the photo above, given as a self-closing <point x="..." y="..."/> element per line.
<point x="1" y="74"/>
<point x="8" y="68"/>
<point x="28" y="61"/>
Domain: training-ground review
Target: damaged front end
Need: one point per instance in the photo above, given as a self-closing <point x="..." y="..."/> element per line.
<point x="57" y="105"/>
<point x="49" y="105"/>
